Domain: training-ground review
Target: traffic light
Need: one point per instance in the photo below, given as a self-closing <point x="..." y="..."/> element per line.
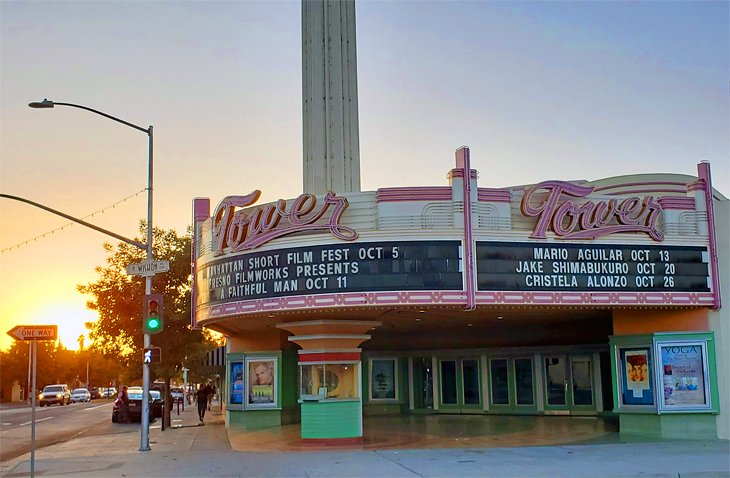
<point x="153" y="321"/>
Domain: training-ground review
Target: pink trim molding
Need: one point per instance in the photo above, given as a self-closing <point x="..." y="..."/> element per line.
<point x="327" y="301"/>
<point x="463" y="161"/>
<point x="494" y="195"/>
<point x="703" y="171"/>
<point x="680" y="203"/>
<point x="436" y="193"/>
<point x="595" y="298"/>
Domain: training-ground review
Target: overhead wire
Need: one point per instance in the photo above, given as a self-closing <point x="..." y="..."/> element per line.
<point x="100" y="211"/>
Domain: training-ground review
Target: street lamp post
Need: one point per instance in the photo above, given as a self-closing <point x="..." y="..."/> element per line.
<point x="145" y="432"/>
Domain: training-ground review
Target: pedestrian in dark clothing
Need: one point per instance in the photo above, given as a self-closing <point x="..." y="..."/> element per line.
<point x="123" y="401"/>
<point x="202" y="398"/>
<point x="211" y="395"/>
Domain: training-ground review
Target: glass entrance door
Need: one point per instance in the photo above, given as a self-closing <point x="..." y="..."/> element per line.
<point x="460" y="389"/>
<point x="581" y="375"/>
<point x="556" y="383"/>
<point x="569" y="383"/>
<point x="422" y="384"/>
<point x="511" y="385"/>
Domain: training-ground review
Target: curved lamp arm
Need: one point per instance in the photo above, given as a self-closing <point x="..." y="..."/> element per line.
<point x="46" y="103"/>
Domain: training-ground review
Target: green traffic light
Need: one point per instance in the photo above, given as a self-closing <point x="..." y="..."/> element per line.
<point x="154" y="321"/>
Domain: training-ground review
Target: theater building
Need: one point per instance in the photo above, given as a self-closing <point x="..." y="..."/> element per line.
<point x="566" y="298"/>
<point x="581" y="298"/>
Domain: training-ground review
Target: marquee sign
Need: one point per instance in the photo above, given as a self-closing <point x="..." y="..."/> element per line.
<point x="588" y="220"/>
<point x="517" y="266"/>
<point x="235" y="231"/>
<point x="334" y="268"/>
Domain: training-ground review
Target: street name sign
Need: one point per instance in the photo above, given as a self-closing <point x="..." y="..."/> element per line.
<point x="148" y="268"/>
<point x="34" y="332"/>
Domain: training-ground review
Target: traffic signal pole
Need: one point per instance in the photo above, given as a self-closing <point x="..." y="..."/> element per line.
<point x="145" y="420"/>
<point x="145" y="435"/>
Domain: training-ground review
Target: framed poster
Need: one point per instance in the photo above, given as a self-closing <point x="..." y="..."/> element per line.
<point x="261" y="380"/>
<point x="636" y="376"/>
<point x="236" y="383"/>
<point x="383" y="379"/>
<point x="683" y="373"/>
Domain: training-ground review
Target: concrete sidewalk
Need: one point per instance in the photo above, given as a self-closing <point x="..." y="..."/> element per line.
<point x="190" y="450"/>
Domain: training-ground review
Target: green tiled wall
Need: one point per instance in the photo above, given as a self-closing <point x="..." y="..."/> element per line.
<point x="336" y="419"/>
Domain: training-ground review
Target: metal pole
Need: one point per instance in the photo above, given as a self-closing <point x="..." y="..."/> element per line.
<point x="28" y="390"/>
<point x="145" y="432"/>
<point x="32" y="414"/>
<point x="87" y="373"/>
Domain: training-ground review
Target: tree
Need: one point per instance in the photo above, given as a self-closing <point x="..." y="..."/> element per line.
<point x="54" y="364"/>
<point x="118" y="298"/>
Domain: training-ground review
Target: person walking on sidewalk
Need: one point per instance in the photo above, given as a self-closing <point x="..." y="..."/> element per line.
<point x="211" y="395"/>
<point x="202" y="398"/>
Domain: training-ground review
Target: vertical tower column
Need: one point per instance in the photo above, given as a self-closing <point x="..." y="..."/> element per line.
<point x="329" y="96"/>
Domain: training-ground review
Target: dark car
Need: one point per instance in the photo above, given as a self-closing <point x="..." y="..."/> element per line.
<point x="135" y="406"/>
<point x="58" y="393"/>
<point x="95" y="393"/>
<point x="157" y="403"/>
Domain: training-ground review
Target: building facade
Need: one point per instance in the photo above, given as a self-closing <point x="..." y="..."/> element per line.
<point x="566" y="298"/>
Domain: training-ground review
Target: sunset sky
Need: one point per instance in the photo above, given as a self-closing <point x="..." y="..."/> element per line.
<point x="538" y="90"/>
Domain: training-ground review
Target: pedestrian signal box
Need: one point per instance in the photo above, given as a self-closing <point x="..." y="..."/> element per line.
<point x="153" y="321"/>
<point x="152" y="355"/>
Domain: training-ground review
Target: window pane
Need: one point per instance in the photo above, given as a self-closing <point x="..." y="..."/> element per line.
<point x="261" y="374"/>
<point x="471" y="382"/>
<point x="237" y="383"/>
<point x="340" y="380"/>
<point x="523" y="379"/>
<point x="382" y="379"/>
<point x="311" y="380"/>
<point x="422" y="383"/>
<point x="582" y="381"/>
<point x="683" y="375"/>
<point x="500" y="390"/>
<point x="555" y="380"/>
<point x="448" y="382"/>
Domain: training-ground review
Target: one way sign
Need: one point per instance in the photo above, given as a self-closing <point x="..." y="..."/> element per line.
<point x="152" y="355"/>
<point x="34" y="332"/>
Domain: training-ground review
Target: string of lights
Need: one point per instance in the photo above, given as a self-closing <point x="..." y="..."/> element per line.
<point x="100" y="211"/>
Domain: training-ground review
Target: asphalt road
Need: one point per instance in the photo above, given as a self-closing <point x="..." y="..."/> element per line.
<point x="55" y="424"/>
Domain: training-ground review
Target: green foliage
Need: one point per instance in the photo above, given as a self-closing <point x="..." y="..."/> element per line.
<point x="118" y="298"/>
<point x="55" y="364"/>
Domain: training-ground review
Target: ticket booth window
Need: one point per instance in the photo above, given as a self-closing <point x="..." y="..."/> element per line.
<point x="328" y="381"/>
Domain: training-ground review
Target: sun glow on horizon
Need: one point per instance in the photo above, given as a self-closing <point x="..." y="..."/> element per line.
<point x="69" y="313"/>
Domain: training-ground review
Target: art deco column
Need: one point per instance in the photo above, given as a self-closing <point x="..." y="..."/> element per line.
<point x="329" y="96"/>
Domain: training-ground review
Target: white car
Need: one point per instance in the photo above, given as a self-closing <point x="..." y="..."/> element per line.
<point x="80" y="395"/>
<point x="109" y="392"/>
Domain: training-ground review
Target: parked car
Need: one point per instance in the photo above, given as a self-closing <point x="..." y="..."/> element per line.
<point x="80" y="395"/>
<point x="135" y="405"/>
<point x="58" y="393"/>
<point x="177" y="394"/>
<point x="109" y="392"/>
<point x="95" y="393"/>
<point x="157" y="403"/>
